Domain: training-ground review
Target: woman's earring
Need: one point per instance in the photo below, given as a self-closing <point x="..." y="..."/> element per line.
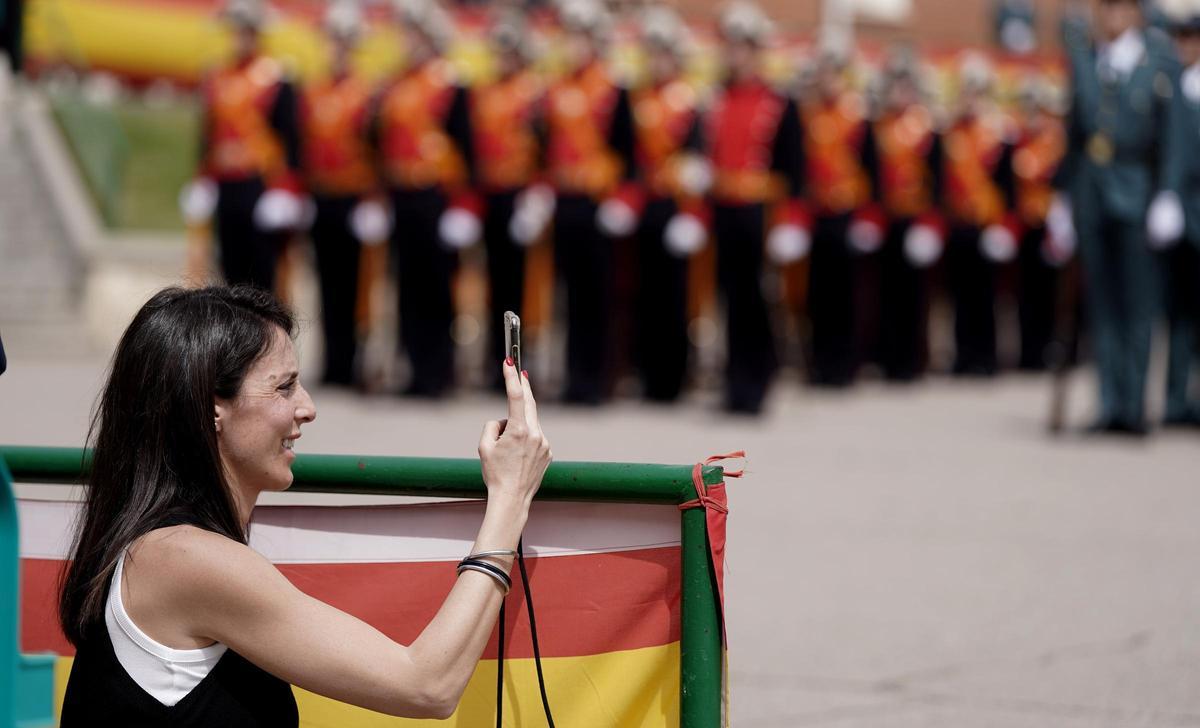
<point x="216" y="424"/>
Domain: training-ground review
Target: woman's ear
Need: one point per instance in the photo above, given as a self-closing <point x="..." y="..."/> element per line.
<point x="219" y="412"/>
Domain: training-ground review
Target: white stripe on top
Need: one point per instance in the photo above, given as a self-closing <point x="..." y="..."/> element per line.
<point x="164" y="672"/>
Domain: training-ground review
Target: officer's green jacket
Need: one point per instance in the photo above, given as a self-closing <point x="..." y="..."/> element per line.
<point x="1189" y="119"/>
<point x="1124" y="135"/>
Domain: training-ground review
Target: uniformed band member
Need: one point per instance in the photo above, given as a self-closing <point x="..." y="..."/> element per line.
<point x="421" y="131"/>
<point x="839" y="148"/>
<point x="589" y="160"/>
<point x="506" y="120"/>
<point x="340" y="175"/>
<point x="978" y="193"/>
<point x="1122" y="174"/>
<point x="1183" y="260"/>
<point x="675" y="178"/>
<point x="756" y="148"/>
<point x="908" y="177"/>
<point x="250" y="150"/>
<point x="1040" y="147"/>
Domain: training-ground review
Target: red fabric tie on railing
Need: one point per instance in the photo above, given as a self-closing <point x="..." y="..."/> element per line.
<point x="713" y="500"/>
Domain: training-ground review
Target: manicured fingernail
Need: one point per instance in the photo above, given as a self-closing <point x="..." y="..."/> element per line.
<point x="525" y="373"/>
<point x="508" y="361"/>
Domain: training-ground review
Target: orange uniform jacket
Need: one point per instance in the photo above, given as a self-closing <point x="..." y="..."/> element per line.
<point x="422" y="130"/>
<point x="978" y="172"/>
<point x="336" y="157"/>
<point x="249" y="128"/>
<point x="589" y="134"/>
<point x="506" y="120"/>
<point x="667" y="129"/>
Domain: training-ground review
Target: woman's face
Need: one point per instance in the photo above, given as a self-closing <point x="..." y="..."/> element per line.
<point x="257" y="429"/>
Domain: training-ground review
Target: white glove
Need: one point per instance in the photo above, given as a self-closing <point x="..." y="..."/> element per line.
<point x="1059" y="246"/>
<point x="788" y="243"/>
<point x="864" y="236"/>
<point x="1164" y="221"/>
<point x="616" y="218"/>
<point x="532" y="211"/>
<point x="198" y="200"/>
<point x="998" y="244"/>
<point x="459" y="228"/>
<point x="278" y="210"/>
<point x="695" y="175"/>
<point x="371" y="222"/>
<point x="923" y="245"/>
<point x="685" y="235"/>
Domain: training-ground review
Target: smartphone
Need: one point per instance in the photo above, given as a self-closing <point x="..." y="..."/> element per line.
<point x="512" y="337"/>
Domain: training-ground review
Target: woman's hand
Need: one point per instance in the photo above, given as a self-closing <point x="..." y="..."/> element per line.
<point x="514" y="453"/>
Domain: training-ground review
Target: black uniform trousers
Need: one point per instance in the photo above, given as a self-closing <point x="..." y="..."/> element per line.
<point x="903" y="308"/>
<point x="248" y="255"/>
<point x="660" y="322"/>
<point x="425" y="272"/>
<point x="751" y="359"/>
<point x="1037" y="300"/>
<point x="584" y="258"/>
<point x="506" y="276"/>
<point x="972" y="282"/>
<point x="338" y="252"/>
<point x="831" y="310"/>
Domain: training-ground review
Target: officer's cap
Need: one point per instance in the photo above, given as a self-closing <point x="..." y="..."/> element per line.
<point x="1182" y="15"/>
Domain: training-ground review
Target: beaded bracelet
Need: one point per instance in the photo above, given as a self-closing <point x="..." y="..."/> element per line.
<point x="484" y="567"/>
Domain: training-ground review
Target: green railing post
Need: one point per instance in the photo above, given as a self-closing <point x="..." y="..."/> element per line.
<point x="700" y="651"/>
<point x="26" y="681"/>
<point x="10" y="601"/>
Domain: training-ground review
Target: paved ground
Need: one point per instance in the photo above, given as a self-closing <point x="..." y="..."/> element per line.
<point x="898" y="557"/>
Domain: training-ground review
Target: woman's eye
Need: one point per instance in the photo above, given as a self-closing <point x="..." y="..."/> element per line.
<point x="288" y="387"/>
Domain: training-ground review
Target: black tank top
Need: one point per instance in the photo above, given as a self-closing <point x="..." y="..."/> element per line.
<point x="234" y="694"/>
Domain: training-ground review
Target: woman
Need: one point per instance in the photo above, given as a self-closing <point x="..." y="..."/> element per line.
<point x="200" y="413"/>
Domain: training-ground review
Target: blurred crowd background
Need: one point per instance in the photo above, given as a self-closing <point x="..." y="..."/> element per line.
<point x="702" y="196"/>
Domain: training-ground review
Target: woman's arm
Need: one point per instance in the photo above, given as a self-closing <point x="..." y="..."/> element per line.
<point x="232" y="594"/>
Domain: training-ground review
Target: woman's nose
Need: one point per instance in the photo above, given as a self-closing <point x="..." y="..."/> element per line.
<point x="307" y="411"/>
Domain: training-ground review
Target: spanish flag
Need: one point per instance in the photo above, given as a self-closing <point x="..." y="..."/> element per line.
<point x="605" y="581"/>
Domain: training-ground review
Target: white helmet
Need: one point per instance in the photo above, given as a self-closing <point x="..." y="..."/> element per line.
<point x="661" y="27"/>
<point x="250" y="14"/>
<point x="585" y="16"/>
<point x="344" y="19"/>
<point x="428" y="17"/>
<point x="744" y="21"/>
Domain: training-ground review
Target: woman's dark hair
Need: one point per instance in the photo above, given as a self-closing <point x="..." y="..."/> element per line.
<point x="155" y="460"/>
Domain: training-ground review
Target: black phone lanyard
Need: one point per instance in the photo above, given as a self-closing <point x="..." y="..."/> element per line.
<point x="537" y="652"/>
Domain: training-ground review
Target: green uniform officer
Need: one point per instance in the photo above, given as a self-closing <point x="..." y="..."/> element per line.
<point x="1182" y="262"/>
<point x="1121" y="177"/>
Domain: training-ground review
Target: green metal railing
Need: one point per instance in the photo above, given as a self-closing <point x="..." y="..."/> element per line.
<point x="701" y="662"/>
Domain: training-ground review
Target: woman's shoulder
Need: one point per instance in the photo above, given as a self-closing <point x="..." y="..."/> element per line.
<point x="187" y="558"/>
<point x="201" y="577"/>
<point x="185" y="542"/>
